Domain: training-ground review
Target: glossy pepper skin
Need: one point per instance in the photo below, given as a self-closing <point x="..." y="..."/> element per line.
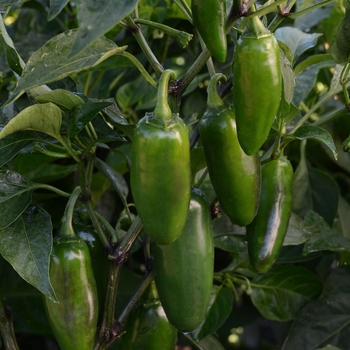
<point x="85" y="230"/>
<point x="235" y="176"/>
<point x="257" y="85"/>
<point x="183" y="270"/>
<point x="160" y="171"/>
<point x="74" y="319"/>
<point x="147" y="326"/>
<point x="209" y="17"/>
<point x="265" y="235"/>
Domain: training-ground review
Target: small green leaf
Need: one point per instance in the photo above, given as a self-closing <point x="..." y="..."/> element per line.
<point x="197" y="161"/>
<point x="82" y="115"/>
<point x="15" y="196"/>
<point x="219" y="308"/>
<point x="46" y="118"/>
<point x="26" y="244"/>
<point x="64" y="99"/>
<point x="325" y="321"/>
<point x="310" y="132"/>
<point x="282" y="292"/>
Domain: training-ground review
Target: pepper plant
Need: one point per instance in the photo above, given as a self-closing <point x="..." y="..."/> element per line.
<point x="174" y="174"/>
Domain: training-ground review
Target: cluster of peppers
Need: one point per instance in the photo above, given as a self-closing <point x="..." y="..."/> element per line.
<point x="176" y="216"/>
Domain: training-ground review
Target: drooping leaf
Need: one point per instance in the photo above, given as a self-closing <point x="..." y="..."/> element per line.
<point x="26" y="244"/>
<point x="219" y="308"/>
<point x="310" y="132"/>
<point x="50" y="63"/>
<point x="15" y="196"/>
<point x="325" y="321"/>
<point x="55" y="8"/>
<point x="96" y="18"/>
<point x="283" y="291"/>
<point x="116" y="179"/>
<point x="46" y="118"/>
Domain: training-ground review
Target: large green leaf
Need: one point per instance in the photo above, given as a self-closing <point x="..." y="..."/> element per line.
<point x="296" y="40"/>
<point x="50" y="63"/>
<point x="98" y="17"/>
<point x="55" y="8"/>
<point x="26" y="244"/>
<point x="325" y="321"/>
<point x="64" y="99"/>
<point x="46" y="118"/>
<point x="15" y="196"/>
<point x="219" y="308"/>
<point x="283" y="291"/>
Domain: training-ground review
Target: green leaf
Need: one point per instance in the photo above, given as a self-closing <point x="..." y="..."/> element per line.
<point x="325" y="238"/>
<point x="64" y="99"/>
<point x="282" y="292"/>
<point x="298" y="232"/>
<point x="310" y="132"/>
<point x="12" y="144"/>
<point x="117" y="180"/>
<point x="197" y="161"/>
<point x="55" y="8"/>
<point x="340" y="46"/>
<point x="50" y="63"/>
<point x="46" y="118"/>
<point x="296" y="40"/>
<point x="14" y="60"/>
<point x="219" y="308"/>
<point x="25" y="301"/>
<point x="314" y="59"/>
<point x="294" y="255"/>
<point x="325" y="321"/>
<point x="82" y="115"/>
<point x="342" y="223"/>
<point x="313" y="189"/>
<point x="210" y="342"/>
<point x="96" y="18"/>
<point x="15" y="196"/>
<point x="288" y="79"/>
<point x="26" y="244"/>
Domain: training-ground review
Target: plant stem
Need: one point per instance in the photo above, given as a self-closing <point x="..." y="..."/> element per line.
<point x="136" y="296"/>
<point x="135" y="30"/>
<point x="308" y="9"/>
<point x="140" y="67"/>
<point x="53" y="189"/>
<point x="109" y="330"/>
<point x="7" y="332"/>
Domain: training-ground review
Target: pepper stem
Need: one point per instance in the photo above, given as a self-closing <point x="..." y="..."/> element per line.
<point x="162" y="110"/>
<point x="66" y="230"/>
<point x="214" y="100"/>
<point x="255" y="28"/>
